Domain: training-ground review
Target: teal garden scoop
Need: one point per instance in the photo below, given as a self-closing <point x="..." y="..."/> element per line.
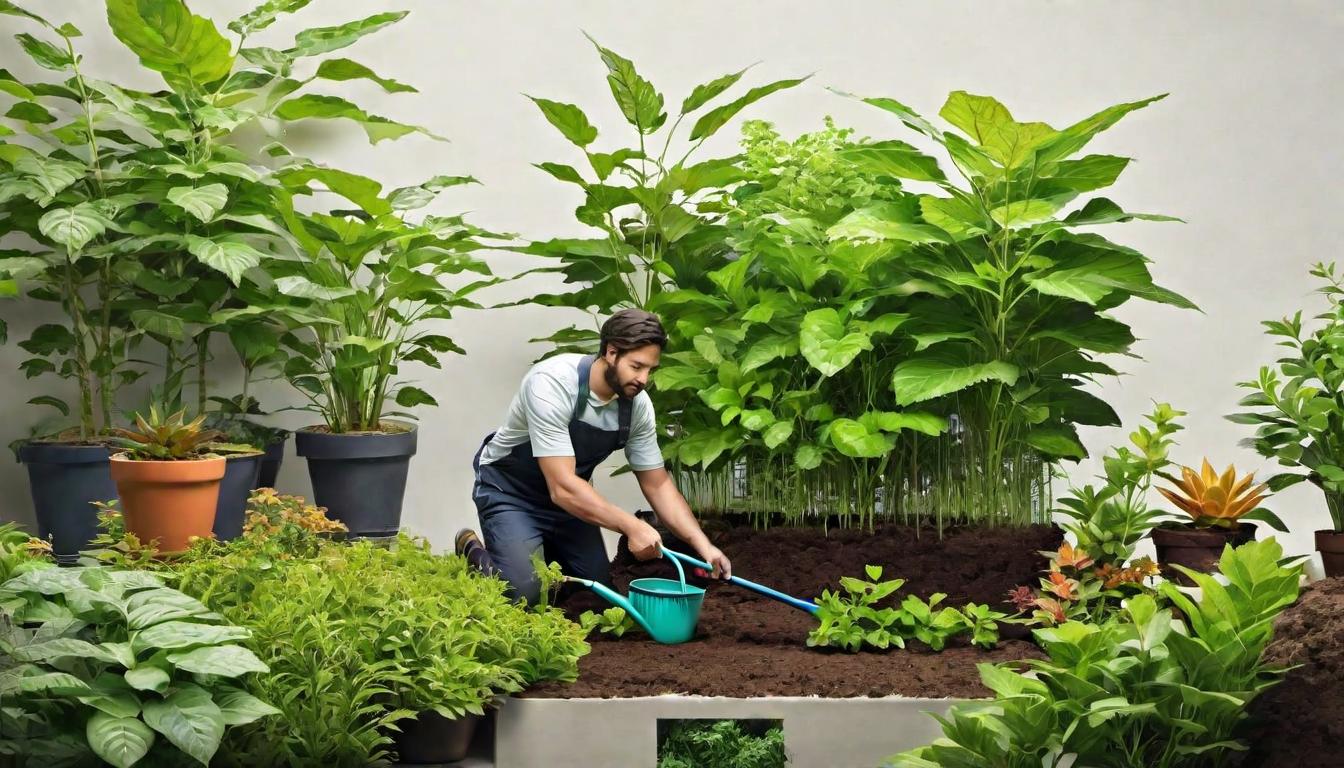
<point x="667" y="609"/>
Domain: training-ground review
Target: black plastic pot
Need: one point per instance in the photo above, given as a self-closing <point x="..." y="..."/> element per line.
<point x="270" y="463"/>
<point x="240" y="477"/>
<point x="360" y="478"/>
<point x="433" y="738"/>
<point x="65" y="480"/>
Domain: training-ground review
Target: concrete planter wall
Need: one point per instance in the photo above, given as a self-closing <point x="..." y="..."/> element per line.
<point x="818" y="733"/>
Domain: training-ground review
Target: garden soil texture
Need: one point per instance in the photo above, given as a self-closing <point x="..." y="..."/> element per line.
<point x="748" y="645"/>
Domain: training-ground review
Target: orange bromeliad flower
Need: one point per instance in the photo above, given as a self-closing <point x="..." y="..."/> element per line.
<point x="1052" y="609"/>
<point x="1213" y="499"/>
<point x="1062" y="586"/>
<point x="1068" y="557"/>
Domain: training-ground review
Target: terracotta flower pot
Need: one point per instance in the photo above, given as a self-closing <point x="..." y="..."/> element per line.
<point x="1331" y="546"/>
<point x="1196" y="548"/>
<point x="170" y="501"/>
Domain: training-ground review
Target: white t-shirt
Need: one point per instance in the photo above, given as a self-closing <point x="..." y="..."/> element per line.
<point x="544" y="406"/>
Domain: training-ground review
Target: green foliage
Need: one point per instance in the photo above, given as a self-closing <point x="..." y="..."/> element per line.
<point x="691" y="744"/>
<point x="20" y="552"/>
<point x="862" y="615"/>
<point x="1297" y="405"/>
<point x="1142" y="688"/>
<point x="120" y="660"/>
<point x="657" y="215"/>
<point x="549" y="577"/>
<point x="160" y="438"/>
<point x="613" y="621"/>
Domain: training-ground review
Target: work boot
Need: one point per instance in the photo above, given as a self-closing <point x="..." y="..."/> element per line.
<point x="467" y="544"/>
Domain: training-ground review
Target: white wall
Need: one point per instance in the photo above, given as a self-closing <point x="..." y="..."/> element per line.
<point x="1246" y="148"/>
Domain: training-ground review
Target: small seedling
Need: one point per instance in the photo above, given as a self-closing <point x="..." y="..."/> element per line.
<point x="613" y="621"/>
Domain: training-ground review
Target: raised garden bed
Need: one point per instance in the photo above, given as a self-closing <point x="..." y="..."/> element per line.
<point x="749" y="646"/>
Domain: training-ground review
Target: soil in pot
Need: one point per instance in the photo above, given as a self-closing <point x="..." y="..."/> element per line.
<point x="65" y="479"/>
<point x="168" y="501"/>
<point x="749" y="645"/>
<point x="1331" y="546"/>
<point x="1300" y="722"/>
<point x="360" y="477"/>
<point x="240" y="479"/>
<point x="432" y="738"/>
<point x="1196" y="548"/>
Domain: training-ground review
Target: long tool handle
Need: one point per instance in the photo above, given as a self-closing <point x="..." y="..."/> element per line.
<point x="804" y="605"/>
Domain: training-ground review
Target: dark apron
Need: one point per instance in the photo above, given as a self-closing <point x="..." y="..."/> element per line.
<point x="517" y="478"/>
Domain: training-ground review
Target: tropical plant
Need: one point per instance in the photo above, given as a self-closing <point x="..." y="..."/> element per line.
<point x="860" y="615"/>
<point x="1142" y="688"/>
<point x="160" y="438"/>
<point x="119" y="659"/>
<point x="1076" y="588"/>
<point x="1212" y="500"/>
<point x="658" y="213"/>
<point x="698" y="743"/>
<point x="1298" y="404"/>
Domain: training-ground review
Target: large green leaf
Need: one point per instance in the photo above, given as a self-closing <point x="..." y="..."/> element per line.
<point x="769" y="349"/>
<point x="50" y="175"/>
<point x="1102" y="211"/>
<point x="231" y="258"/>
<point x="184" y="634"/>
<point x="823" y="340"/>
<point x="169" y="39"/>
<point x="853" y="439"/>
<point x="703" y="93"/>
<point x="222" y="660"/>
<point x="889" y="421"/>
<point x="885" y="221"/>
<point x="303" y="288"/>
<point x="264" y="15"/>
<point x="1017" y="214"/>
<point x="360" y="190"/>
<point x="1092" y="275"/>
<point x="114" y="701"/>
<point x="1061" y="442"/>
<point x="777" y="434"/>
<point x="640" y="102"/>
<point x="155" y="606"/>
<point x="159" y="323"/>
<point x="808" y="457"/>
<point x="120" y="741"/>
<point x="569" y="119"/>
<point x="317" y="106"/>
<point x="346" y="69"/>
<point x="716" y="118"/>
<point x="895" y="158"/>
<point x="63" y="648"/>
<point x="45" y="54"/>
<point x="991" y="126"/>
<point x="148" y="678"/>
<point x="311" y="42"/>
<point x="201" y="202"/>
<point x="920" y="379"/>
<point x="240" y="707"/>
<point x="190" y="720"/>
<point x="74" y="227"/>
<point x="1070" y="140"/>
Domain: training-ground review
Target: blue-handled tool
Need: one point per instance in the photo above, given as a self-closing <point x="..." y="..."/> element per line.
<point x="804" y="605"/>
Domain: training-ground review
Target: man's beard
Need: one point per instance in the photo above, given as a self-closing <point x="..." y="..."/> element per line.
<point x="614" y="381"/>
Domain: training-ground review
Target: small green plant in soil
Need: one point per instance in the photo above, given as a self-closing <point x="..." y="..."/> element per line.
<point x="1141" y="687"/>
<point x="613" y="621"/>
<point x="861" y="615"/>
<point x="721" y="744"/>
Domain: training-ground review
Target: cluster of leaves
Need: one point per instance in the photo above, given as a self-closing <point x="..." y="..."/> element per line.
<point x="861" y="615"/>
<point x="1142" y="688"/>
<point x="1211" y="500"/>
<point x="115" y="664"/>
<point x="165" y="438"/>
<point x="20" y="552"/>
<point x="1076" y="588"/>
<point x="1298" y="403"/>
<point x="613" y="621"/>
<point x="358" y="636"/>
<point x="699" y="744"/>
<point x="155" y="223"/>
<point x="657" y="214"/>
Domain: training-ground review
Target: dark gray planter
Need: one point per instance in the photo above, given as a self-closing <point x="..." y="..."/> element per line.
<point x="360" y="478"/>
<point x="240" y="478"/>
<point x="433" y="738"/>
<point x="65" y="480"/>
<point x="270" y="463"/>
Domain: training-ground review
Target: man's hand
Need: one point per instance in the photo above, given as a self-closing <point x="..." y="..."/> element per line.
<point x="643" y="540"/>
<point x="723" y="568"/>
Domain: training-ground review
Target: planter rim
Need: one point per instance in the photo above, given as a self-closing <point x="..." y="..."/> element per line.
<point x="188" y="471"/>
<point x="355" y="446"/>
<point x="317" y="429"/>
<point x="1190" y="533"/>
<point x="34" y="452"/>
<point x="1330" y="540"/>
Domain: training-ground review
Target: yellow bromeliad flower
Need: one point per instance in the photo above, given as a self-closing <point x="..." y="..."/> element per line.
<point x="1213" y="499"/>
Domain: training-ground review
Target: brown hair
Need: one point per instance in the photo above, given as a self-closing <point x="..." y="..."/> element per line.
<point x="631" y="329"/>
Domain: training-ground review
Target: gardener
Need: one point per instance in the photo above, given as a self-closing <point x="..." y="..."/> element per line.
<point x="533" y="490"/>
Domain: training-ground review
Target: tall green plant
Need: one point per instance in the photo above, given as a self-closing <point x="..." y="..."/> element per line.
<point x="657" y="212"/>
<point x="1297" y="405"/>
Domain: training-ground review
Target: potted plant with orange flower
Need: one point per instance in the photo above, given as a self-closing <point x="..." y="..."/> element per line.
<point x="1218" y="510"/>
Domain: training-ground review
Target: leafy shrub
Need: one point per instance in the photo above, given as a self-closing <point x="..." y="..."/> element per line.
<point x="857" y="617"/>
<point x="724" y="743"/>
<point x="1141" y="688"/>
<point x="116" y="663"/>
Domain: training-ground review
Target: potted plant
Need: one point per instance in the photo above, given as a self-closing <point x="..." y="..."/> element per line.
<point x="1298" y="410"/>
<point x="1219" y="509"/>
<point x="371" y="278"/>
<point x="168" y="479"/>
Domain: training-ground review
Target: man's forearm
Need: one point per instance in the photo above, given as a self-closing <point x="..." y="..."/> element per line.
<point x="580" y="499"/>
<point x="673" y="511"/>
